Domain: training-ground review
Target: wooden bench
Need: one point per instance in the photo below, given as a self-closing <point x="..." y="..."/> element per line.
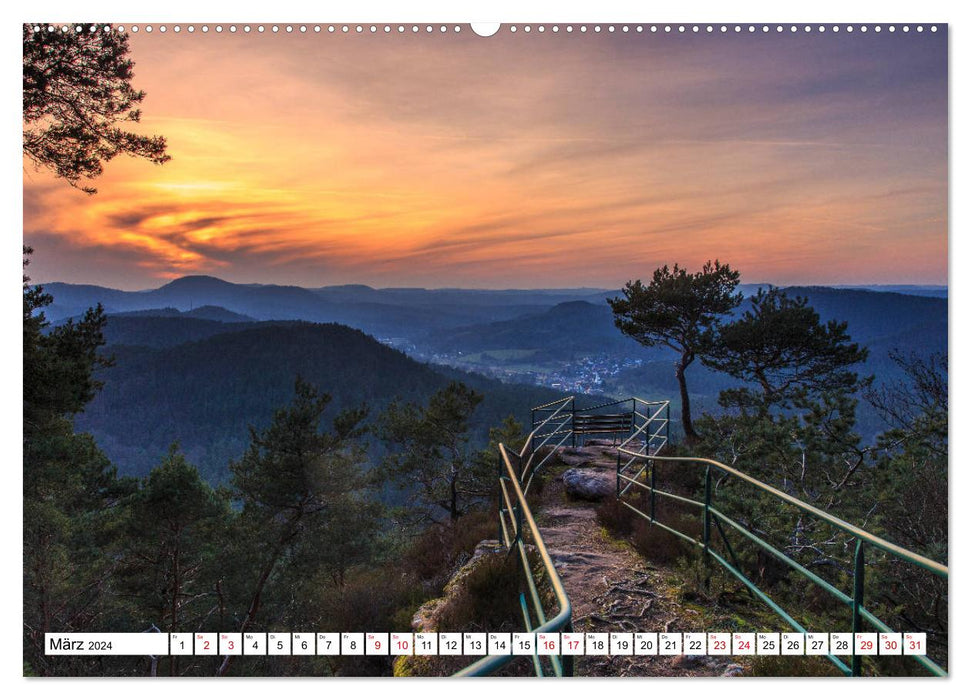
<point x="587" y="423"/>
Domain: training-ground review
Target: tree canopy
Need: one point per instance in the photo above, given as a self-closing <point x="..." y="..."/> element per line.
<point x="432" y="462"/>
<point x="780" y="345"/>
<point x="679" y="310"/>
<point x="295" y="480"/>
<point x="78" y="94"/>
<point x="171" y="532"/>
<point x="69" y="485"/>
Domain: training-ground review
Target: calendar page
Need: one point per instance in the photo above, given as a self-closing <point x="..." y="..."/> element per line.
<point x="602" y="349"/>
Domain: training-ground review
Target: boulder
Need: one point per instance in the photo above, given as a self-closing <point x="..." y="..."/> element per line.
<point x="589" y="485"/>
<point x="427" y="617"/>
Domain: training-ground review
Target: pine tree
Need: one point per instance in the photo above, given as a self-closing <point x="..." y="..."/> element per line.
<point x="432" y="462"/>
<point x="678" y="310"/>
<point x="77" y="92"/>
<point x="172" y="528"/>
<point x="293" y="481"/>
<point x="781" y="346"/>
<point x="70" y="488"/>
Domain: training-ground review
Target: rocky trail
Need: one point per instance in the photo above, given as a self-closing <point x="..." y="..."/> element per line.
<point x="611" y="586"/>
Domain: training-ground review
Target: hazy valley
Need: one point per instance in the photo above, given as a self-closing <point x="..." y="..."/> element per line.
<point x="199" y="360"/>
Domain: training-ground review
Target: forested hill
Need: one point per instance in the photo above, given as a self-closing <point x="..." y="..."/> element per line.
<point x="204" y="393"/>
<point x="209" y="312"/>
<point x="163" y="331"/>
<point x="873" y="315"/>
<point x="567" y="329"/>
<point x="201" y="376"/>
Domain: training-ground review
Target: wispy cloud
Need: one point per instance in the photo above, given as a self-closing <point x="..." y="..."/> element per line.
<point x="518" y="161"/>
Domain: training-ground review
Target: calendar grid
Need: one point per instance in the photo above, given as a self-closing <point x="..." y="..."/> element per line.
<point x="552" y="644"/>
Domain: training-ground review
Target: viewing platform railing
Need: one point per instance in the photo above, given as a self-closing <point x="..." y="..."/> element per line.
<point x="647" y="433"/>
<point x="518" y="530"/>
<point x="713" y="517"/>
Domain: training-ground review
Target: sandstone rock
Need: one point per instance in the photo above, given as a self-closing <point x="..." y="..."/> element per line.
<point x="425" y="618"/>
<point x="486" y="547"/>
<point x="588" y="457"/>
<point x="579" y="560"/>
<point x="686" y="661"/>
<point x="575" y="457"/>
<point x="588" y="484"/>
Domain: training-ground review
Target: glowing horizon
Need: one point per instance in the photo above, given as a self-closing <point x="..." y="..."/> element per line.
<point x="517" y="161"/>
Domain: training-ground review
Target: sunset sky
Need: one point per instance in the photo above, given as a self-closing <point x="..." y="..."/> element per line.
<point x="540" y="160"/>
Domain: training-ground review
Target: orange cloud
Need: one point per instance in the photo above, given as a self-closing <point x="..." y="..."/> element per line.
<point x="517" y="161"/>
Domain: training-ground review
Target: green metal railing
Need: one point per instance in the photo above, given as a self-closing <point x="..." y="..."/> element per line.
<point x="637" y="458"/>
<point x="552" y="425"/>
<point x="516" y="525"/>
<point x="712" y="516"/>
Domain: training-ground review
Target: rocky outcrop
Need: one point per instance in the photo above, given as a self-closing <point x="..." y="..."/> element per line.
<point x="589" y="484"/>
<point x="427" y="616"/>
<point x="587" y="457"/>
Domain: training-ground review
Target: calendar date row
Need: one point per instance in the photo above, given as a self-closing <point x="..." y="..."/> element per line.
<point x="491" y="643"/>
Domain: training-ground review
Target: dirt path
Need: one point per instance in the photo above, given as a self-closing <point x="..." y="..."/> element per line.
<point x="612" y="588"/>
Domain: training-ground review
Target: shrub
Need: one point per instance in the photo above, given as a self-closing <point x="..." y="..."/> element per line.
<point x="657" y="544"/>
<point x="487" y="599"/>
<point x="679" y="477"/>
<point x="438" y="552"/>
<point x="616" y="517"/>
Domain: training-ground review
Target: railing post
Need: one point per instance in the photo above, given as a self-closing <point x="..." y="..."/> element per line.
<point x="618" y="474"/>
<point x="653" y="468"/>
<point x="518" y="521"/>
<point x="706" y="526"/>
<point x="667" y="423"/>
<point x="858" y="569"/>
<point x="501" y="508"/>
<point x="573" y="416"/>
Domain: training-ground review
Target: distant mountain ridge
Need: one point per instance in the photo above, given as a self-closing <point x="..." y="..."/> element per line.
<point x="921" y="290"/>
<point x="381" y="312"/>
<point x="567" y="329"/>
<point x="390" y="312"/>
<point x="584" y="327"/>
<point x="208" y="312"/>
<point x="556" y="324"/>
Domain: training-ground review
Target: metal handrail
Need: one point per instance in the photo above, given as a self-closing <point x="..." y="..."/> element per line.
<point x="518" y="511"/>
<point x="552" y="403"/>
<point x="713" y="515"/>
<point x="876" y="541"/>
<point x="663" y="407"/>
<point x="514" y="510"/>
<point x="620" y="401"/>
